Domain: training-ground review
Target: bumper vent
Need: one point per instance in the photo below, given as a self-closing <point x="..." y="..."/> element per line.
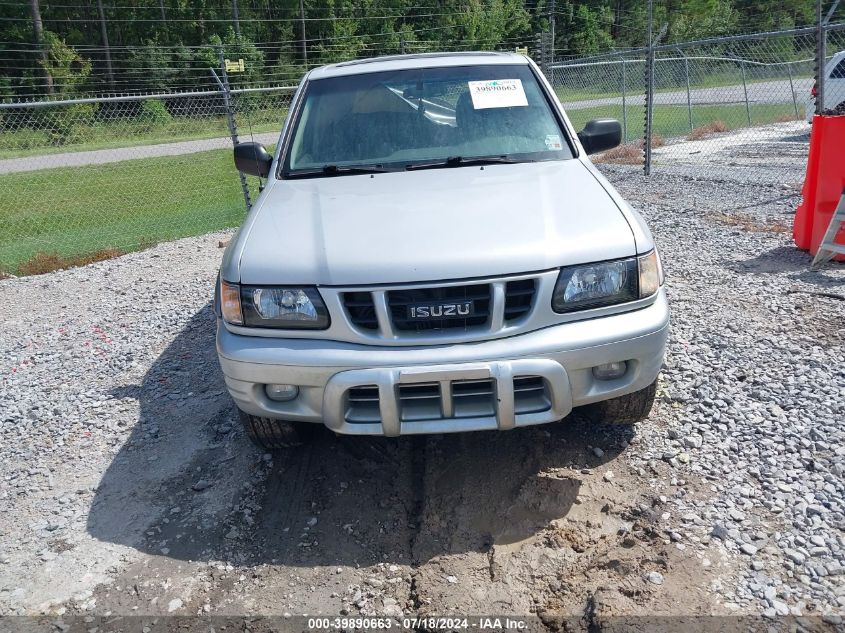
<point x="469" y="399"/>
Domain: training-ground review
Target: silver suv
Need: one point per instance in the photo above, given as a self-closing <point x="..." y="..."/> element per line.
<point x="433" y="252"/>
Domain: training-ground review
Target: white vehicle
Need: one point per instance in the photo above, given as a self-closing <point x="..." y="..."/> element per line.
<point x="834" y="85"/>
<point x="434" y="252"/>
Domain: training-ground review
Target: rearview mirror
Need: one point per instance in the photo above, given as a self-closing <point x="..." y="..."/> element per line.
<point x="600" y="135"/>
<point x="253" y="159"/>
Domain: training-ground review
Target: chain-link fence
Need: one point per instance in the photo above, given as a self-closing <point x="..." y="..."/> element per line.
<point x="87" y="178"/>
<point x="90" y="177"/>
<point x="729" y="108"/>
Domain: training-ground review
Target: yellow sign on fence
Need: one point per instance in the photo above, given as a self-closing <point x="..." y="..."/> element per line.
<point x="234" y="66"/>
<point x="521" y="50"/>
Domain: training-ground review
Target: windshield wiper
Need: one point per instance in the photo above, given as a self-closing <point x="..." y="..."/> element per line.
<point x="338" y="170"/>
<point x="461" y="161"/>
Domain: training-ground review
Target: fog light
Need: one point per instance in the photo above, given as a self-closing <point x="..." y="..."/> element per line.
<point x="610" y="371"/>
<point x="281" y="393"/>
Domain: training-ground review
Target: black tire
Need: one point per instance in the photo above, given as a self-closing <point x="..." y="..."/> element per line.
<point x="275" y="435"/>
<point x="628" y="409"/>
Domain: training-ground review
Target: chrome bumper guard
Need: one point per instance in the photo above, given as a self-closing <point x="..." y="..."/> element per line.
<point x="500" y="373"/>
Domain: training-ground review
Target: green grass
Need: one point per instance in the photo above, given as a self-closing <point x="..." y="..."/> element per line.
<point x="672" y="121"/>
<point x="86" y="136"/>
<point x="125" y="205"/>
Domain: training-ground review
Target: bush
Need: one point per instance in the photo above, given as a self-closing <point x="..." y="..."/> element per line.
<point x="155" y="112"/>
<point x="69" y="71"/>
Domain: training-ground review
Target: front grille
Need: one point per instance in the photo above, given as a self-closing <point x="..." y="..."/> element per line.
<point x="470" y="399"/>
<point x="519" y="296"/>
<point x="399" y="301"/>
<point x="393" y="313"/>
<point x="361" y="310"/>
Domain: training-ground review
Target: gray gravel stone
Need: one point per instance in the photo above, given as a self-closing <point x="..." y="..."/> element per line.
<point x="750" y="550"/>
<point x="751" y="372"/>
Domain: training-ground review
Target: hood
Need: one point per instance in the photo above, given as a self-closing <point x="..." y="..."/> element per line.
<point x="435" y="224"/>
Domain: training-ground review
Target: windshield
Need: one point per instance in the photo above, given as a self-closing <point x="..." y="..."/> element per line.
<point x="427" y="118"/>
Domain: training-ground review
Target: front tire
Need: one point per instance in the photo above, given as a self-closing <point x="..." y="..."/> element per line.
<point x="274" y="435"/>
<point x="628" y="409"/>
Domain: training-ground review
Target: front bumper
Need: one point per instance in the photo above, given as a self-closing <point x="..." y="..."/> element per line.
<point x="561" y="357"/>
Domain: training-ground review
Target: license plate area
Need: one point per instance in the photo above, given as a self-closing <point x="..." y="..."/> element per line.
<point x="449" y="373"/>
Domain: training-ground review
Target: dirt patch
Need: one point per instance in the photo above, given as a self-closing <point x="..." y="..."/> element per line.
<point x="629" y="153"/>
<point x="751" y="225"/>
<point x="41" y="263"/>
<point x="714" y="127"/>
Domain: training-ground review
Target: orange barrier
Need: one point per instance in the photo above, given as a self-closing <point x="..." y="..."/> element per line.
<point x="823" y="184"/>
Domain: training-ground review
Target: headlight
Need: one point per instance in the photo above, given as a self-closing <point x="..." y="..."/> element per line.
<point x="290" y="308"/>
<point x="595" y="285"/>
<point x="606" y="283"/>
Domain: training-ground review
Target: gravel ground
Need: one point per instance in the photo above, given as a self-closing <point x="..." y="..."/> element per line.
<point x="763" y="154"/>
<point x="127" y="486"/>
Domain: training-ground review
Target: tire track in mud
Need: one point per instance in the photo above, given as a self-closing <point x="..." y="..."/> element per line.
<point x="333" y="514"/>
<point x="285" y="488"/>
<point x="485" y="495"/>
<point x="534" y="521"/>
<point x="416" y="474"/>
<point x="508" y="523"/>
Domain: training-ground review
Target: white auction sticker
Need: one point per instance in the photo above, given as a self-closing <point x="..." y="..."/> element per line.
<point x="553" y="142"/>
<point x="497" y="93"/>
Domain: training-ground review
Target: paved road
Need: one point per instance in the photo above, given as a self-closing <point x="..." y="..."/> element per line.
<point x="767" y="92"/>
<point x="759" y="93"/>
<point x="117" y="154"/>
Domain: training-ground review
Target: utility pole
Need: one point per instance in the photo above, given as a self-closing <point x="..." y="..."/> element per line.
<point x="107" y="49"/>
<point x="552" y="29"/>
<point x="235" y="18"/>
<point x="304" y="42"/>
<point x="38" y="27"/>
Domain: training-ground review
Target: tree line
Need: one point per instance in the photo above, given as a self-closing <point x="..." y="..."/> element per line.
<point x="68" y="48"/>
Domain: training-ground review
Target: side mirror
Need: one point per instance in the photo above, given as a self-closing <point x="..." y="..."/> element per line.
<point x="600" y="135"/>
<point x="253" y="159"/>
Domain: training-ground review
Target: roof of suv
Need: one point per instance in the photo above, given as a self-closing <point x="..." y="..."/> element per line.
<point x="419" y="60"/>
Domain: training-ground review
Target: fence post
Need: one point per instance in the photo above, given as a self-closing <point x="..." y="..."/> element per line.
<point x="821" y="52"/>
<point x="820" y="58"/>
<point x="689" y="96"/>
<point x="230" y="120"/>
<point x="649" y="93"/>
<point x="624" y="104"/>
<point x="745" y="90"/>
<point x="649" y="90"/>
<point x="792" y="89"/>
